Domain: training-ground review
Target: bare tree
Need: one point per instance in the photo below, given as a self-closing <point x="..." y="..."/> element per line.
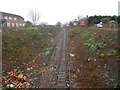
<point x="34" y="16"/>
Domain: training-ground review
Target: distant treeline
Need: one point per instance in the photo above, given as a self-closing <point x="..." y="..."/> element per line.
<point x="105" y="19"/>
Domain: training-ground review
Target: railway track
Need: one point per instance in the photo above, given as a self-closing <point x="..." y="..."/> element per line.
<point x="62" y="81"/>
<point x="57" y="75"/>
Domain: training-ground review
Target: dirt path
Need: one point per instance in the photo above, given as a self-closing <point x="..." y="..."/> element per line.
<point x="56" y="74"/>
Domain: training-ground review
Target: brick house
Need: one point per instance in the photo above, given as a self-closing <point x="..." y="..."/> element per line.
<point x="83" y="22"/>
<point x="11" y="20"/>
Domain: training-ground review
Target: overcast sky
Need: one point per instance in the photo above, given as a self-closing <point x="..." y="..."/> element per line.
<point x="52" y="11"/>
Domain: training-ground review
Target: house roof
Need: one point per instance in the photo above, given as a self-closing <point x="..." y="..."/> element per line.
<point x="4" y="13"/>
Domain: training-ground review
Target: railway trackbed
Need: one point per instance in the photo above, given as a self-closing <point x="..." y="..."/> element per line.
<point x="57" y="75"/>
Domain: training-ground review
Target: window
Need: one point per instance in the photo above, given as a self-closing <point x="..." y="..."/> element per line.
<point x="15" y="18"/>
<point x="13" y="25"/>
<point x="5" y="17"/>
<point x="17" y="25"/>
<point x="8" y="24"/>
<point x="20" y="24"/>
<point x="23" y="25"/>
<point x="10" y="18"/>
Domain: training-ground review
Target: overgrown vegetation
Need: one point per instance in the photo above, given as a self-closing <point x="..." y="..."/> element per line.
<point x="95" y="53"/>
<point x="23" y="45"/>
<point x="97" y="42"/>
<point x="105" y="19"/>
<point x="95" y="46"/>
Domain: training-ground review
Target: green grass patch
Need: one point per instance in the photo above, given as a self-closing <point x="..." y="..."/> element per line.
<point x="95" y="46"/>
<point x="111" y="52"/>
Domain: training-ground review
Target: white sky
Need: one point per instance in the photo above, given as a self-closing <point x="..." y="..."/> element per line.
<point x="52" y="11"/>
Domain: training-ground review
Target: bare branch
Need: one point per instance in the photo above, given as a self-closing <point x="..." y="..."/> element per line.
<point x="34" y="16"/>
